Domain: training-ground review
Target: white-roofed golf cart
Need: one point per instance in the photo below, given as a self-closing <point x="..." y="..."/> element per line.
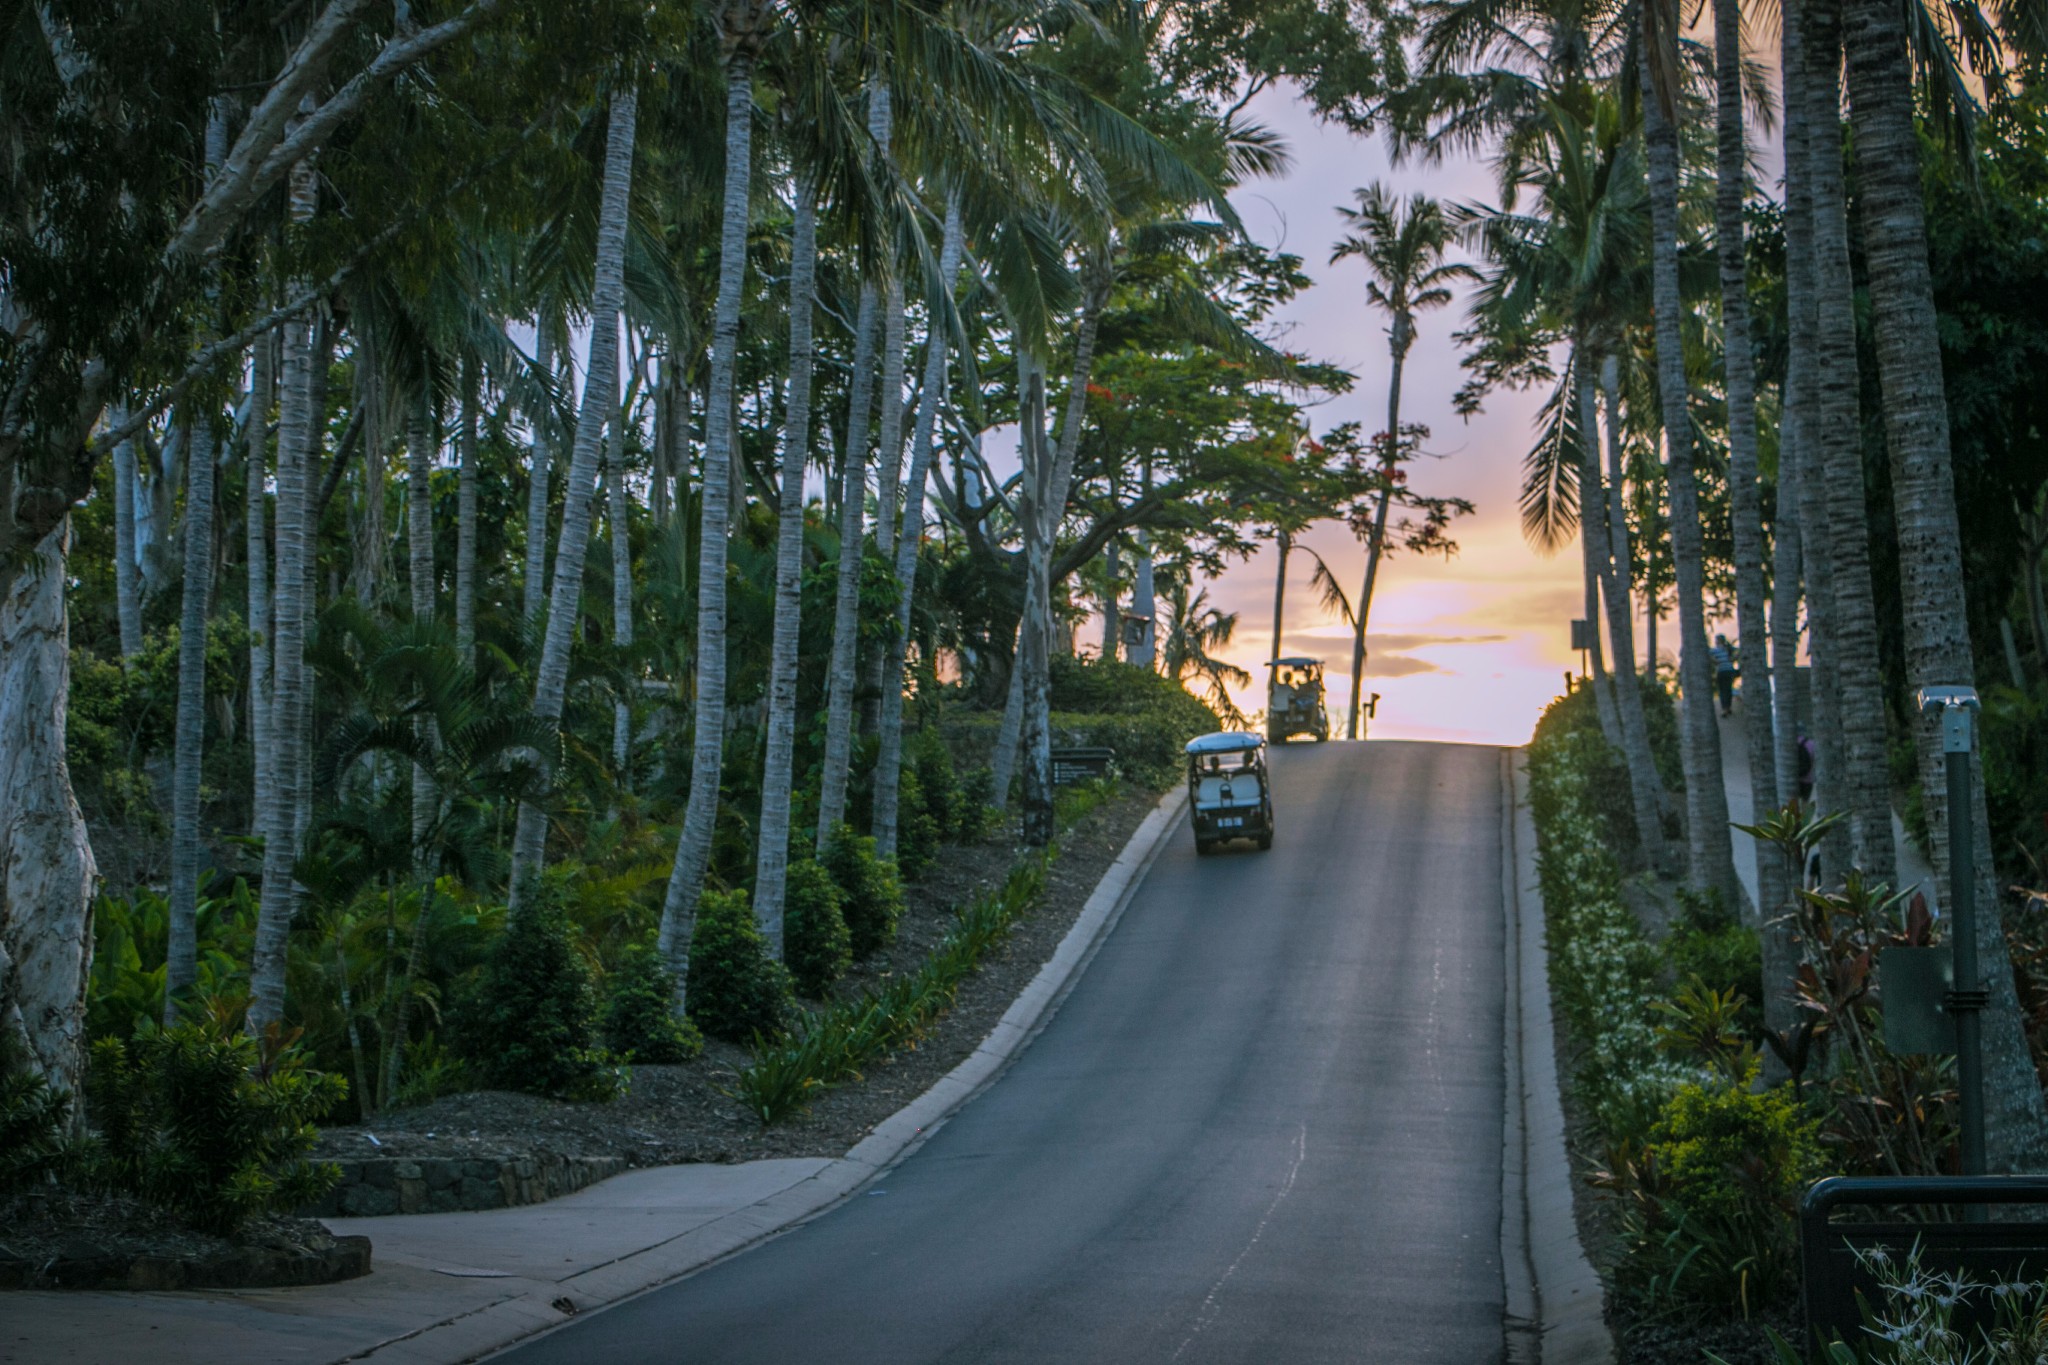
<point x="1229" y="792"/>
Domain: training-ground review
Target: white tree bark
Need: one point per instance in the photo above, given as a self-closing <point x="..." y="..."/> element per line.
<point x="771" y="852"/>
<point x="256" y="498"/>
<point x="537" y="494"/>
<point x="181" y="963"/>
<point x="465" y="519"/>
<point x="47" y="874"/>
<point x="707" y="758"/>
<point x="619" y="516"/>
<point x="889" y="727"/>
<point x="600" y="397"/>
<point x="127" y="577"/>
<point x="422" y="442"/>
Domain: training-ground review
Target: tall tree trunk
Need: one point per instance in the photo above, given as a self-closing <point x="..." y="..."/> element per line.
<point x="621" y="521"/>
<point x="771" y="852"/>
<point x="1711" y="862"/>
<point x="47" y="874"/>
<point x="127" y="576"/>
<point x="700" y="817"/>
<point x="845" y="667"/>
<point x="1112" y="606"/>
<point x="256" y="498"/>
<point x="296" y="418"/>
<point x="888" y="487"/>
<point x="1282" y="544"/>
<point x="536" y="585"/>
<point x="465" y="519"/>
<point x="1144" y="598"/>
<point x="600" y="397"/>
<point x="367" y="571"/>
<point x="1400" y="336"/>
<point x="1937" y="637"/>
<point x="1745" y="496"/>
<point x="181" y="962"/>
<point x="888" y="778"/>
<point x="422" y="440"/>
<point x="1864" y="789"/>
<point x="1645" y="791"/>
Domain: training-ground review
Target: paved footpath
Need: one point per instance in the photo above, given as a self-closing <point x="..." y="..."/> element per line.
<point x="1266" y="1126"/>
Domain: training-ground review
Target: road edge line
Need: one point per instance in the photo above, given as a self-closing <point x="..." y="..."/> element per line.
<point x="483" y="1333"/>
<point x="1571" y="1301"/>
<point x="1522" y="1326"/>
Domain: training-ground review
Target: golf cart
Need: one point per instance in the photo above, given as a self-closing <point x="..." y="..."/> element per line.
<point x="1294" y="700"/>
<point x="1227" y="789"/>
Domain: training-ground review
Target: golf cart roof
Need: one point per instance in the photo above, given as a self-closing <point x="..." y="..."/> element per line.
<point x="1276" y="663"/>
<point x="1225" y="742"/>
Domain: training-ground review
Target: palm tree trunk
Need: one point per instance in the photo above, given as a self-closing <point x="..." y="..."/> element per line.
<point x="888" y="782"/>
<point x="1937" y="637"/>
<point x="1864" y="789"/>
<point x="46" y="915"/>
<point x="256" y="497"/>
<point x="279" y="901"/>
<point x="1781" y="954"/>
<point x="888" y="472"/>
<point x="1144" y="597"/>
<point x="771" y="852"/>
<point x="127" y="577"/>
<point x="693" y="846"/>
<point x="1401" y="334"/>
<point x="181" y="962"/>
<point x="1711" y="864"/>
<point x="422" y="437"/>
<point x="845" y="668"/>
<point x="1745" y="496"/>
<point x="600" y="397"/>
<point x="1034" y="641"/>
<point x="537" y="492"/>
<point x="367" y="571"/>
<point x="465" y="520"/>
<point x="621" y="517"/>
<point x="1644" y="789"/>
<point x="1283" y="543"/>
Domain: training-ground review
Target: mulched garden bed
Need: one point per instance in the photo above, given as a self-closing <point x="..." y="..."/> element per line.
<point x="676" y="1114"/>
<point x="53" y="1239"/>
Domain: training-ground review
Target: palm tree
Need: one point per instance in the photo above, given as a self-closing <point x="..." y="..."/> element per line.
<point x="1937" y="641"/>
<point x="295" y="438"/>
<point x="537" y="485"/>
<point x="127" y="578"/>
<point x="600" y="389"/>
<point x="1195" y="632"/>
<point x="1403" y="248"/>
<point x="911" y="534"/>
<point x="1862" y="781"/>
<point x="1711" y="861"/>
<point x="743" y="25"/>
<point x="465" y="513"/>
<point x="256" y="563"/>
<point x="181" y="966"/>
<point x="1745" y="495"/>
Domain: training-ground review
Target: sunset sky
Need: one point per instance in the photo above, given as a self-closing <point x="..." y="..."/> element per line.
<point x="1471" y="649"/>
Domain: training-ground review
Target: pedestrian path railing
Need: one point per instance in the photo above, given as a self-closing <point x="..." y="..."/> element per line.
<point x="1845" y="1218"/>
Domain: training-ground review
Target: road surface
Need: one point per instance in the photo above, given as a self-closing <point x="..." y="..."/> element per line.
<point x="1265" y="1126"/>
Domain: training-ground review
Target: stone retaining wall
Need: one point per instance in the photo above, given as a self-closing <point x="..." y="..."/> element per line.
<point x="381" y="1185"/>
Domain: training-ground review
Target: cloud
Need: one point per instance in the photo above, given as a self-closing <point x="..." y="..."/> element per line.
<point x="1334" y="646"/>
<point x="1396" y="666"/>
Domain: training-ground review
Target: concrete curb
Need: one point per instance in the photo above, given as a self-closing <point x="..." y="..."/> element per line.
<point x="1556" y="1305"/>
<point x="503" y="1324"/>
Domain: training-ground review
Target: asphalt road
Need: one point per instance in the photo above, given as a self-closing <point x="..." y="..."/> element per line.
<point x="1265" y="1126"/>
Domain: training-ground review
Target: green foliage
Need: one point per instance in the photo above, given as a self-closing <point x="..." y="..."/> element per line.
<point x="1709" y="944"/>
<point x="203" y="1120"/>
<point x="816" y="944"/>
<point x="430" y="1071"/>
<point x="918" y="827"/>
<point x="870" y="896"/>
<point x="130" y="942"/>
<point x="926" y="754"/>
<point x="832" y="1045"/>
<point x="1709" y="1202"/>
<point x="529" y="1019"/>
<point x="1606" y="798"/>
<point x="640" y="1022"/>
<point x="1144" y="716"/>
<point x="736" y="990"/>
<point x="33" y="1117"/>
<point x="978" y="812"/>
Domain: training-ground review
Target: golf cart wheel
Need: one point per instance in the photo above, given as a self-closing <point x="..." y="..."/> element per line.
<point x="1202" y="847"/>
<point x="1266" y="841"/>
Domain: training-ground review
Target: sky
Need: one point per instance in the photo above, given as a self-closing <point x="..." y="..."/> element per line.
<point x="1470" y="649"/>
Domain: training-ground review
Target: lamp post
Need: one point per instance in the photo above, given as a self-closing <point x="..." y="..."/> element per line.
<point x="1966" y="997"/>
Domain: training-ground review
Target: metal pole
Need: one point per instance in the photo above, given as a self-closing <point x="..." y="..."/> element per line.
<point x="1966" y="997"/>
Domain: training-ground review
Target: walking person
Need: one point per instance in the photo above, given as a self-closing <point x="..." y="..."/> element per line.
<point x="1724" y="673"/>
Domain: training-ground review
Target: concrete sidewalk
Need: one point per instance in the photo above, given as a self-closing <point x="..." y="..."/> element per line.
<point x="453" y="1287"/>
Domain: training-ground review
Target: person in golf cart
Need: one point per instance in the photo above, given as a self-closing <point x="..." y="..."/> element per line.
<point x="1294" y="700"/>
<point x="1229" y="793"/>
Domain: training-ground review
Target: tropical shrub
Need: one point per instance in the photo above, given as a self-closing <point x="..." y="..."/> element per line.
<point x="1707" y="942"/>
<point x="918" y="828"/>
<point x="205" y="1121"/>
<point x="640" y="1021"/>
<point x="736" y="990"/>
<point x="528" y="1021"/>
<point x="1709" y="1203"/>
<point x="870" y="896"/>
<point x="978" y="812"/>
<point x="33" y="1116"/>
<point x="926" y="754"/>
<point x="816" y="945"/>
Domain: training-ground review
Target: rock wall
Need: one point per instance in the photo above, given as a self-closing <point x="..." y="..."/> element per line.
<point x="375" y="1186"/>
